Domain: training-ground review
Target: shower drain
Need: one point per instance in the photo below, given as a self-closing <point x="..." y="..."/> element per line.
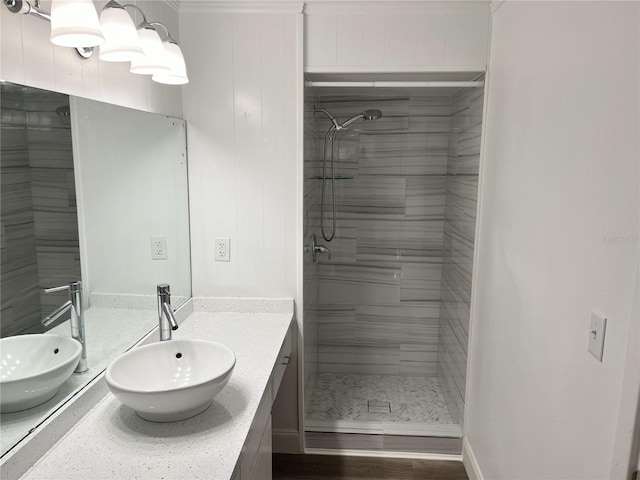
<point x="379" y="407"/>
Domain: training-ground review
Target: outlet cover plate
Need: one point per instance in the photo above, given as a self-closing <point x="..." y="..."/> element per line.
<point x="596" y="334"/>
<point x="158" y="247"/>
<point x="221" y="249"/>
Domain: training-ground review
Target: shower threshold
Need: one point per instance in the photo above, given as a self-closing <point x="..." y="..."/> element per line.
<point x="450" y="430"/>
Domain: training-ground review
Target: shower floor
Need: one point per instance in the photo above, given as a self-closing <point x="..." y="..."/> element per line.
<point x="356" y="402"/>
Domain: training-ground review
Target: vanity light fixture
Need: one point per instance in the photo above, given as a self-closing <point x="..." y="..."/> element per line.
<point x="75" y="23"/>
<point x="177" y="72"/>
<point x="154" y="61"/>
<point x="121" y="37"/>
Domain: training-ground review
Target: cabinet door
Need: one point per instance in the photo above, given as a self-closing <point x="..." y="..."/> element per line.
<point x="261" y="468"/>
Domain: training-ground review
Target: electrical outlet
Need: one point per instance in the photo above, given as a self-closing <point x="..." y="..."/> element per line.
<point x="158" y="248"/>
<point x="222" y="249"/>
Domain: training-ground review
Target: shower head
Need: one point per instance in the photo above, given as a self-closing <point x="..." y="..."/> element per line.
<point x="366" y="115"/>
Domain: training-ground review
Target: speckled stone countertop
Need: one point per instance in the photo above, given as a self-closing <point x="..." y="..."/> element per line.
<point x="113" y="442"/>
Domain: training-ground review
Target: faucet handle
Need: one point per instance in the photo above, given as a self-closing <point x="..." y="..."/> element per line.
<point x="72" y="287"/>
<point x="56" y="289"/>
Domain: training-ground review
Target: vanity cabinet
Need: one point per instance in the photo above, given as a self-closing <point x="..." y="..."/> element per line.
<point x="255" y="460"/>
<point x="232" y="440"/>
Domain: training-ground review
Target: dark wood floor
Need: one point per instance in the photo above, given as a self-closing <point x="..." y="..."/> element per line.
<point x="325" y="467"/>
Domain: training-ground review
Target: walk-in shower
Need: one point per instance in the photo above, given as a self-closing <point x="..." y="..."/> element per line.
<point x="328" y="151"/>
<point x="386" y="317"/>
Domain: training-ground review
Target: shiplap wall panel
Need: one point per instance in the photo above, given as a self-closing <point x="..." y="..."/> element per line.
<point x="292" y="129"/>
<point x="29" y="58"/>
<point x="373" y="40"/>
<point x="272" y="53"/>
<point x="247" y="94"/>
<point x="320" y="39"/>
<point x="400" y="35"/>
<point x="209" y="109"/>
<point x="378" y="37"/>
<point x="431" y="39"/>
<point x="349" y="39"/>
<point x="466" y="38"/>
<point x="241" y="114"/>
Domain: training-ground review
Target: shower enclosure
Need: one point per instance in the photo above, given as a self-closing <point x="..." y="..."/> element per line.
<point x="386" y="316"/>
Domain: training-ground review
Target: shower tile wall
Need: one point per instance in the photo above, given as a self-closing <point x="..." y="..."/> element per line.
<point x="20" y="295"/>
<point x="459" y="237"/>
<point x="379" y="296"/>
<point x="310" y="294"/>
<point x="40" y="246"/>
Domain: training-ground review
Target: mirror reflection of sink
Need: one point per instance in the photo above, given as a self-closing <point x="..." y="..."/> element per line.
<point x="33" y="367"/>
<point x="171" y="380"/>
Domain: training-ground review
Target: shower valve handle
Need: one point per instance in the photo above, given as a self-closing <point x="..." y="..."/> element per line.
<point x="315" y="248"/>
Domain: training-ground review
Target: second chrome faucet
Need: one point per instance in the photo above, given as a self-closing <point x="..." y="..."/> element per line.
<point x="166" y="319"/>
<point x="73" y="305"/>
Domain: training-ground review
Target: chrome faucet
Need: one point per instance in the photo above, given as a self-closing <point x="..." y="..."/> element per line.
<point x="315" y="248"/>
<point x="74" y="304"/>
<point x="166" y="320"/>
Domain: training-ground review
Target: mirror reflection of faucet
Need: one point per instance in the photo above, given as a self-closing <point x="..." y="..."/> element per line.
<point x="166" y="320"/>
<point x="74" y="304"/>
<point x="316" y="248"/>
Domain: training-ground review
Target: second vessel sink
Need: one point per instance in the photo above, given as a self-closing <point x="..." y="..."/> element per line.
<point x="33" y="367"/>
<point x="171" y="380"/>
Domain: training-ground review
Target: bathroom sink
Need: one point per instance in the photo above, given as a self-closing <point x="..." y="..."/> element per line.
<point x="33" y="367"/>
<point x="171" y="380"/>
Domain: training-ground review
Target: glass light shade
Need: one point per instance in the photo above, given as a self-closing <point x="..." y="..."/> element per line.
<point x="154" y="60"/>
<point x="177" y="74"/>
<point x="121" y="37"/>
<point x="74" y="23"/>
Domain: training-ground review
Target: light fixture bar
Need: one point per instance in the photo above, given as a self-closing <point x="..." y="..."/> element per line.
<point x="162" y="58"/>
<point x="24" y="7"/>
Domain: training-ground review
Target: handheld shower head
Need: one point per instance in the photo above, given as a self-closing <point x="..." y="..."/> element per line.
<point x="366" y="115"/>
<point x="372" y="114"/>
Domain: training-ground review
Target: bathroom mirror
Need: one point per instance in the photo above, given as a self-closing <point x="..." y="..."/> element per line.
<point x="91" y="192"/>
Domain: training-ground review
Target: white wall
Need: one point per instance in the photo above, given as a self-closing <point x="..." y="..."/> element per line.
<point x="242" y="114"/>
<point x="388" y="36"/>
<point x="558" y="238"/>
<point x="27" y="57"/>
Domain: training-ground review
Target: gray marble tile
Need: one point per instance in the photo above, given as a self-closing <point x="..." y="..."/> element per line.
<point x="420" y="282"/>
<point x="459" y="236"/>
<point x="394" y="296"/>
<point x="40" y="246"/>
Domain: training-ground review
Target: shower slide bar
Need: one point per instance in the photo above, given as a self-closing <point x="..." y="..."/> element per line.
<point x="390" y="84"/>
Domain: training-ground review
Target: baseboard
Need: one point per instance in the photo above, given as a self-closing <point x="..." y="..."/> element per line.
<point x="470" y="462"/>
<point x="379" y="454"/>
<point x="286" y="441"/>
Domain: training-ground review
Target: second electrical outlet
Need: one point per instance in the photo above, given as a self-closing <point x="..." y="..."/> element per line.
<point x="222" y="247"/>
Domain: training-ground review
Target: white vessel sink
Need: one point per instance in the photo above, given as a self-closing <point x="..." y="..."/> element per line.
<point x="171" y="380"/>
<point x="33" y="367"/>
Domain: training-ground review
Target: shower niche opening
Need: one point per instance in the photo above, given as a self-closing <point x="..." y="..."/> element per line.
<point x="390" y="199"/>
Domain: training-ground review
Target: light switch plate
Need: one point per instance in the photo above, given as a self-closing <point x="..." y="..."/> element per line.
<point x="596" y="334"/>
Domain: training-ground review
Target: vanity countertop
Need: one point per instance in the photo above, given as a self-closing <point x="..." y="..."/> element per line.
<point x="113" y="442"/>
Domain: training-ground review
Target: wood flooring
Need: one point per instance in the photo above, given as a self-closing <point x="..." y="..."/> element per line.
<point x="325" y="467"/>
